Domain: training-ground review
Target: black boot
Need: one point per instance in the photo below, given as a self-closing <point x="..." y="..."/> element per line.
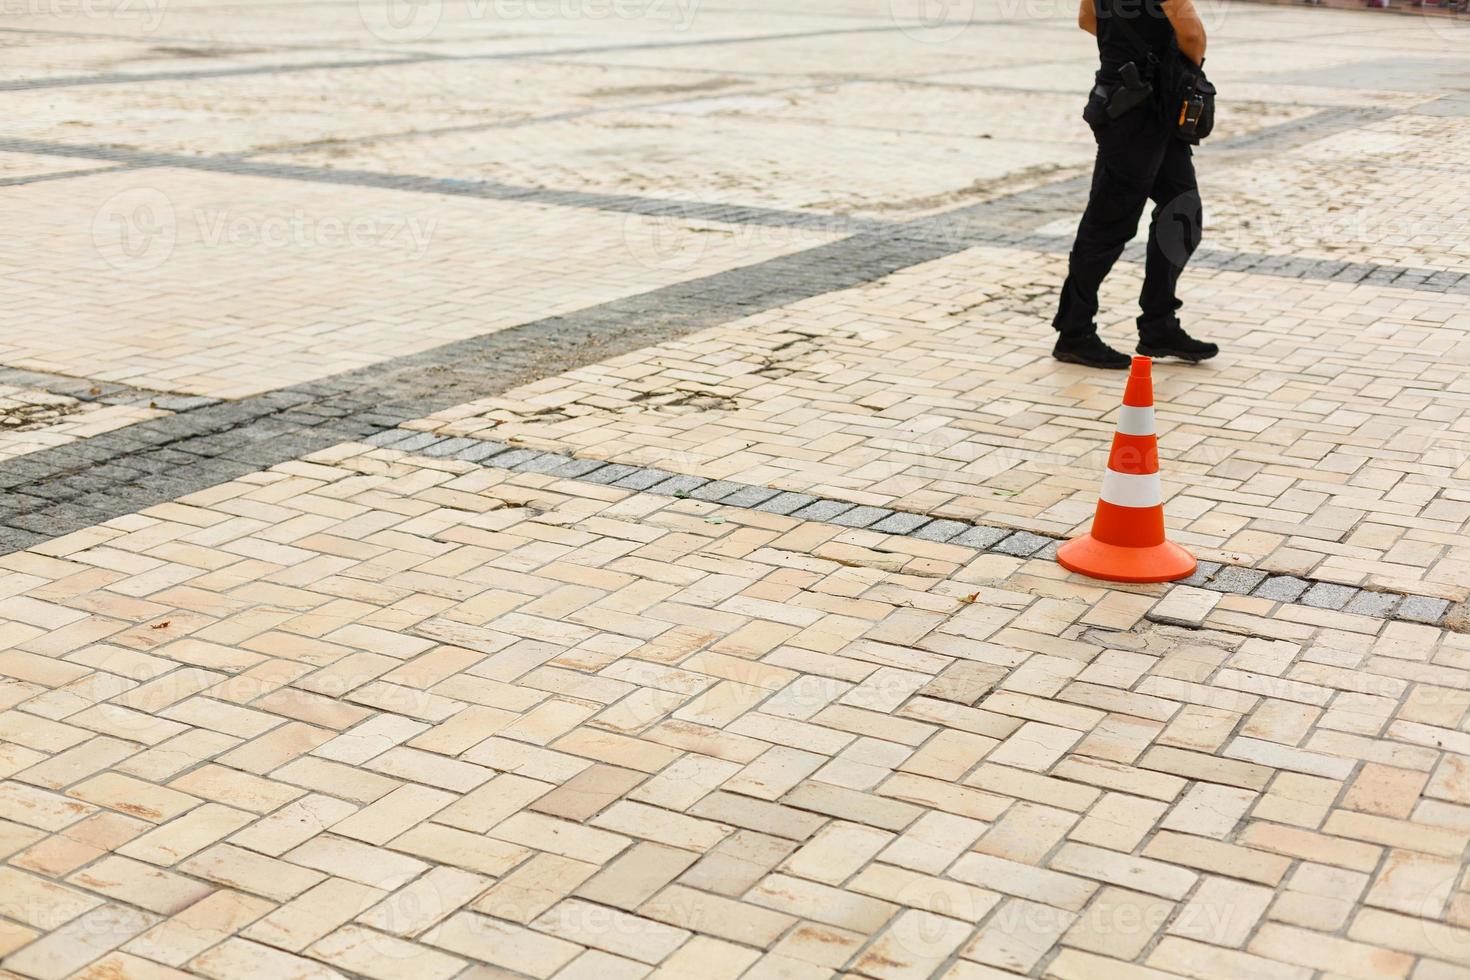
<point x="1172" y="341"/>
<point x="1089" y="351"/>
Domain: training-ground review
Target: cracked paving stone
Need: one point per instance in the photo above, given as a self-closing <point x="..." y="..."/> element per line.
<point x="863" y="516"/>
<point x="1184" y="605"/>
<point x="1281" y="588"/>
<point x="1234" y="578"/>
<point x="1202" y="573"/>
<point x="1327" y="595"/>
<point x="940" y="530"/>
<point x="1375" y="604"/>
<point x="1421" y="609"/>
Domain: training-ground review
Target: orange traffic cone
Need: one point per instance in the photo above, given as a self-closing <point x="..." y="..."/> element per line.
<point x="1127" y="542"/>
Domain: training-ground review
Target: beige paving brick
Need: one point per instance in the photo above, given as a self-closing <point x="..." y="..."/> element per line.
<point x="1026" y="832"/>
<point x="293" y="824"/>
<point x="914" y="945"/>
<point x="1118" y="923"/>
<point x="1314" y="950"/>
<point x="316" y="912"/>
<point x="185" y="835"/>
<point x="738" y="862"/>
<point x="1221" y="858"/>
<point x="80" y="941"/>
<point x="140" y="884"/>
<point x="375" y="955"/>
<point x="240" y="957"/>
<point x="1221" y="912"/>
<point x="1118" y="822"/>
<point x="1192" y="959"/>
<point x="1037" y="884"/>
<point x="637" y="875"/>
<point x="716" y="916"/>
<point x="534" y="887"/>
<point x="1018" y="935"/>
<point x="194" y="929"/>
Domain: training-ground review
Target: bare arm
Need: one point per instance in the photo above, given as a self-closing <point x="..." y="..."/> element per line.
<point x="1188" y="29"/>
<point x="1087" y="17"/>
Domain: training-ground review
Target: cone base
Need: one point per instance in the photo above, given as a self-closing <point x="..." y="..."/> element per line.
<point x="1113" y="563"/>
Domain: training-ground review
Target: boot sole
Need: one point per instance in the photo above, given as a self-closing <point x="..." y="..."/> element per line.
<point x="1167" y="352"/>
<point x="1075" y="359"/>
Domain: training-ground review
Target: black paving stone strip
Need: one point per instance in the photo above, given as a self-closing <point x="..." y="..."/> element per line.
<point x="55" y="491"/>
<point x="681" y="210"/>
<point x="1016" y="543"/>
<point x="58" y="175"/>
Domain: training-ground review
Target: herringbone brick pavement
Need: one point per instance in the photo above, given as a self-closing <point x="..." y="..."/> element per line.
<point x="932" y="391"/>
<point x="372" y="714"/>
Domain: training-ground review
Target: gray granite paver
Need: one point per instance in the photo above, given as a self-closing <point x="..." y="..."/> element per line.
<point x="941" y="530"/>
<point x="1328" y="595"/>
<point x="1022" y="544"/>
<point x="1281" y="588"/>
<point x="861" y="516"/>
<point x="1421" y="609"/>
<point x="1233" y="578"/>
<point x="982" y="536"/>
<point x="785" y="502"/>
<point x="901" y="522"/>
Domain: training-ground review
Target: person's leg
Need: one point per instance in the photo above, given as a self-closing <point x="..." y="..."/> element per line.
<point x="1129" y="154"/>
<point x="1173" y="235"/>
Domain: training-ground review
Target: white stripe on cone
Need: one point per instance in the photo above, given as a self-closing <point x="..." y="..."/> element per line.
<point x="1134" y="420"/>
<point x="1132" y="489"/>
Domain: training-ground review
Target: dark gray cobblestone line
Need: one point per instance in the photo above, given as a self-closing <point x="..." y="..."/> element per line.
<point x="59" y="175"/>
<point x="55" y="491"/>
<point x="1016" y="543"/>
<point x="682" y="210"/>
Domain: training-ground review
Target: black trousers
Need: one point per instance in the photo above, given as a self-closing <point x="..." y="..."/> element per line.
<point x="1137" y="162"/>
